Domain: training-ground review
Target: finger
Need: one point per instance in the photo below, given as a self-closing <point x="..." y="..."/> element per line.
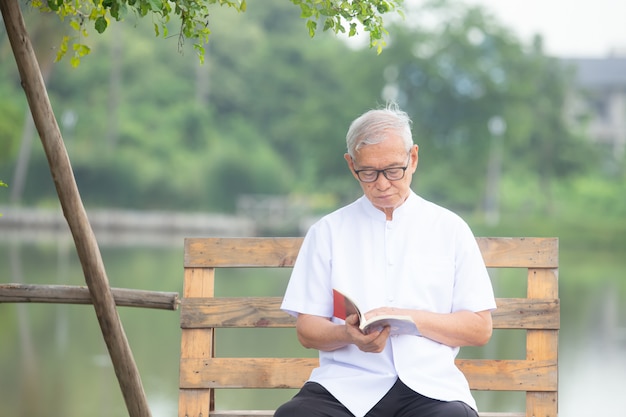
<point x="352" y="320"/>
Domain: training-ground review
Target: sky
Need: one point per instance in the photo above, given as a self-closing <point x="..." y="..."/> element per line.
<point x="570" y="28"/>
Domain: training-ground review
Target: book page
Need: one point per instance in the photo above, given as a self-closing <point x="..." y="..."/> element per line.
<point x="398" y="324"/>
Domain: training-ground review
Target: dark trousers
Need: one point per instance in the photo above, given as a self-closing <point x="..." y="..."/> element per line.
<point x="313" y="400"/>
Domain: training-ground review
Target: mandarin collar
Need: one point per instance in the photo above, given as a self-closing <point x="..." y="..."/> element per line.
<point x="399" y="213"/>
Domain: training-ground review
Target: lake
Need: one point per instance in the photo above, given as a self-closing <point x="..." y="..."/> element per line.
<point x="54" y="362"/>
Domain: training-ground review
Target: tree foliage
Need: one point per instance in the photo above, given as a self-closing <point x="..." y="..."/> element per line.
<point x="194" y="18"/>
<point x="456" y="77"/>
<point x="148" y="128"/>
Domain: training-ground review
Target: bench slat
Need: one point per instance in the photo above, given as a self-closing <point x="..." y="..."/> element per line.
<point x="241" y="413"/>
<point x="241" y="252"/>
<point x="512" y="313"/>
<point x="282" y="252"/>
<point x="527" y="313"/>
<point x="510" y="375"/>
<point x="519" y="252"/>
<point x="487" y="375"/>
<point x="270" y="413"/>
<point x="246" y="372"/>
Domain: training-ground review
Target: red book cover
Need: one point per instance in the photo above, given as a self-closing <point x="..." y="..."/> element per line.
<point x="343" y="306"/>
<point x="339" y="303"/>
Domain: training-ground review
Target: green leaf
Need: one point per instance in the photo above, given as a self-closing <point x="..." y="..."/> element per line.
<point x="52" y="4"/>
<point x="306" y="11"/>
<point x="200" y="52"/>
<point x="383" y="7"/>
<point x="329" y="24"/>
<point x="62" y="48"/>
<point x="101" y="24"/>
<point x="156" y="5"/>
<point x="311" y="25"/>
<point x="115" y="10"/>
<point x="81" y="50"/>
<point x="352" y="31"/>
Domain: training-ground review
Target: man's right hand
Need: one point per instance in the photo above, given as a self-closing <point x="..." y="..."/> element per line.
<point x="315" y="332"/>
<point x="373" y="342"/>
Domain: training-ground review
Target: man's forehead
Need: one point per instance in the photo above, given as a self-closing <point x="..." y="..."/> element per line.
<point x="374" y="155"/>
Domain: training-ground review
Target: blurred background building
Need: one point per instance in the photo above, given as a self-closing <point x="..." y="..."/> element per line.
<point x="603" y="84"/>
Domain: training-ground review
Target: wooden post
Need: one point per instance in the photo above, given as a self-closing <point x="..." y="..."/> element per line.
<point x="73" y="210"/>
<point x="542" y="345"/>
<point x="196" y="344"/>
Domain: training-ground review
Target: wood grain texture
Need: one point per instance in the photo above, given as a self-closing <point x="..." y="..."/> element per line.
<point x="482" y="374"/>
<point x="542" y="345"/>
<point x="270" y="413"/>
<point x="241" y="252"/>
<point x="247" y="312"/>
<point x="519" y="252"/>
<point x="282" y="252"/>
<point x="196" y="343"/>
<point x="73" y="294"/>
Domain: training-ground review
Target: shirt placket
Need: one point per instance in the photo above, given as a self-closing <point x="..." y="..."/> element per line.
<point x="390" y="261"/>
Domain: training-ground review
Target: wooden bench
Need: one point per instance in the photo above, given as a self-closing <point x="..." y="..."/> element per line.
<point x="201" y="372"/>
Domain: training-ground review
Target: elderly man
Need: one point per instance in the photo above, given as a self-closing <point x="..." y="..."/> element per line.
<point x="392" y="252"/>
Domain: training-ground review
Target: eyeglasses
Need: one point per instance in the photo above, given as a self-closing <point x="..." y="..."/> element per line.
<point x="392" y="174"/>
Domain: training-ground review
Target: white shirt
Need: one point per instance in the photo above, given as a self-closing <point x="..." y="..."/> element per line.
<point x="425" y="258"/>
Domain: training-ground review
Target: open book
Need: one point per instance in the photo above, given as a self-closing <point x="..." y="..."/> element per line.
<point x="344" y="306"/>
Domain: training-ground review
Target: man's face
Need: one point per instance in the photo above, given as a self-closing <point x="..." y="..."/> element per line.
<point x="384" y="194"/>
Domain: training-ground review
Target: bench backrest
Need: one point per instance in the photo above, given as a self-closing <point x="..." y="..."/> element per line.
<point x="201" y="372"/>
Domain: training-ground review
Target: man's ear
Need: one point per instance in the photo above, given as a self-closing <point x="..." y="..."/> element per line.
<point x="350" y="162"/>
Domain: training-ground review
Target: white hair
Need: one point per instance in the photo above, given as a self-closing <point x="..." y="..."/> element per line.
<point x="374" y="127"/>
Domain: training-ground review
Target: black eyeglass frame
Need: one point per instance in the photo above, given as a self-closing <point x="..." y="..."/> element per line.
<point x="383" y="171"/>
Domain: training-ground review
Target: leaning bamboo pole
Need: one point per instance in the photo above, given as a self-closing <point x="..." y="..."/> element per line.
<point x="74" y="211"/>
<point x="74" y="294"/>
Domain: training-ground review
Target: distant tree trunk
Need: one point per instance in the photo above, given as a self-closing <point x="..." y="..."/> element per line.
<point x="115" y="79"/>
<point x="545" y="185"/>
<point x="497" y="127"/>
<point x="74" y="211"/>
<point x="23" y="159"/>
<point x="492" y="195"/>
<point x="20" y="174"/>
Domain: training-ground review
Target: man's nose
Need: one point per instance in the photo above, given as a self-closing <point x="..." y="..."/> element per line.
<point x="382" y="183"/>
